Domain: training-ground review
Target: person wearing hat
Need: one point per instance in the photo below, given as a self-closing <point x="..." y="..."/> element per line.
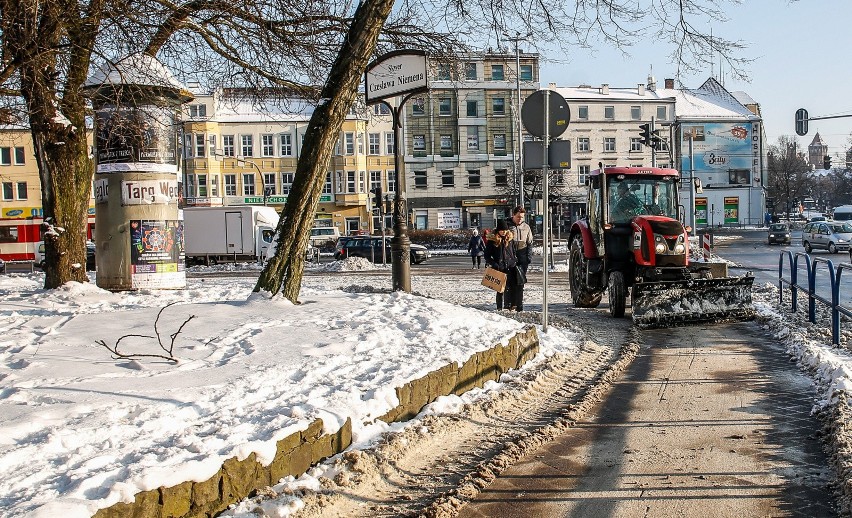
<point x="500" y="255"/>
<point x="476" y="249"/>
<point x="625" y="204"/>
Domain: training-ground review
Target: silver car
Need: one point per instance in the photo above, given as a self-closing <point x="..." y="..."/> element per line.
<point x="833" y="236"/>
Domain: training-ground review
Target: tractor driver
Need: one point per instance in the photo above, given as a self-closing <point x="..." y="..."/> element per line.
<point x="626" y="204"/>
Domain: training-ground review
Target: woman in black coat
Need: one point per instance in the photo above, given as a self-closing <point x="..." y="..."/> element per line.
<point x="500" y="255"/>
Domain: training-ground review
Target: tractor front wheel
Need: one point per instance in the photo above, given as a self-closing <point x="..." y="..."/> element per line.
<point x="581" y="296"/>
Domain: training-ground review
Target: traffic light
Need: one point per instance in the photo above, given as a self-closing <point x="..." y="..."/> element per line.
<point x="657" y="141"/>
<point x="377" y="197"/>
<point x="645" y="133"/>
<point x="826" y="162"/>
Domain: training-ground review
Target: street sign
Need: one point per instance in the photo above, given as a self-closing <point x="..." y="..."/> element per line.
<point x="801" y="122"/>
<point x="533" y="110"/>
<point x="396" y="73"/>
<point x="558" y="154"/>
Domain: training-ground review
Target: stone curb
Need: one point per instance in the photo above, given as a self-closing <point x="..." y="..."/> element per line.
<point x="238" y="479"/>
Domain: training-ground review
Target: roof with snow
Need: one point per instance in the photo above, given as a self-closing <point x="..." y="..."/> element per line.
<point x="711" y="101"/>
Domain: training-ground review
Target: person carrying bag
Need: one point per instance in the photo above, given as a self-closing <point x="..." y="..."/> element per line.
<point x="500" y="255"/>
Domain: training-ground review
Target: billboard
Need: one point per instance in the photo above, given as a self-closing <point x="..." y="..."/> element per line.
<point x="730" y="149"/>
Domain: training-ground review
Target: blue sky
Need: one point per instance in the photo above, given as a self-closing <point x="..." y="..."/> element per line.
<point x="800" y="51"/>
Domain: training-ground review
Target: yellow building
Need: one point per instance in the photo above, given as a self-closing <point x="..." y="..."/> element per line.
<point x="239" y="152"/>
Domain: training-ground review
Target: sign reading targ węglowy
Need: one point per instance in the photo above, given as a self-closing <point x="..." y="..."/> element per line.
<point x="396" y="73"/>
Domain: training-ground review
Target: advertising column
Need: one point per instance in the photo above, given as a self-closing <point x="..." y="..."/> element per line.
<point x="138" y="231"/>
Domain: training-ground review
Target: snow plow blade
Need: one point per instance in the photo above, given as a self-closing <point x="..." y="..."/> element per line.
<point x="672" y="303"/>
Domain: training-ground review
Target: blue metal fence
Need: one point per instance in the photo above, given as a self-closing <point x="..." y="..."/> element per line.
<point x="835" y="277"/>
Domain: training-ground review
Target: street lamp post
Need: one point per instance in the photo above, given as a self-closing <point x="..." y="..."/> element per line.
<point x="519" y="144"/>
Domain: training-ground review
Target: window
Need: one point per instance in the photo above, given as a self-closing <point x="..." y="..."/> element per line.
<point x="583" y="144"/>
<point x="498" y="106"/>
<point x="5" y="156"/>
<point x="326" y="187"/>
<point x="375" y="180"/>
<point x="583" y="112"/>
<point x="349" y="142"/>
<point x="499" y="142"/>
<point x="446" y="143"/>
<point x="248" y="184"/>
<point x="391" y="181"/>
<point x="443" y="72"/>
<point x="418" y="106"/>
<point x="526" y="73"/>
<point x="389" y="144"/>
<point x="635" y="144"/>
<point x="470" y="71"/>
<point x="8" y="191"/>
<point x="558" y="177"/>
<point x="375" y="143"/>
<point x="287" y="182"/>
<point x="501" y="177"/>
<point x="447" y="178"/>
<point x="609" y="144"/>
<point x="445" y="106"/>
<point x="635" y="113"/>
<point x="269" y="184"/>
<point x="381" y="109"/>
<point x="230" y="185"/>
<point x="214" y="185"/>
<point x="247" y="142"/>
<point x="472" y="109"/>
<point x="286" y="144"/>
<point x="472" y="138"/>
<point x="8" y="234"/>
<point x="197" y="110"/>
<point x="202" y="185"/>
<point x="228" y="145"/>
<point x="419" y="179"/>
<point x="473" y="178"/>
<point x="350" y="181"/>
<point x="199" y="145"/>
<point x="583" y="174"/>
<point x="418" y="142"/>
<point x="661" y="113"/>
<point x="497" y="73"/>
<point x="267" y="145"/>
<point x="19" y="156"/>
<point x="190" y="185"/>
<point x="609" y="112"/>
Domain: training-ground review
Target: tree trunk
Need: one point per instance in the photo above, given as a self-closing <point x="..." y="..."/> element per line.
<point x="59" y="136"/>
<point x="284" y="271"/>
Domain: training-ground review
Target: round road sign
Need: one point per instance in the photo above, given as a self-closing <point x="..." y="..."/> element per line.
<point x="533" y="110"/>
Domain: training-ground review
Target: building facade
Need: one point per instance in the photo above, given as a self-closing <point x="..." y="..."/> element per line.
<point x="462" y="140"/>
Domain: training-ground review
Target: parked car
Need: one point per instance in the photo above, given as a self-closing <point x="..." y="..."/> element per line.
<point x="779" y="233"/>
<point x="814" y="219"/>
<point x="91" y="263"/>
<point x="38" y="258"/>
<point x="323" y="235"/>
<point x="833" y="236"/>
<point x="370" y="248"/>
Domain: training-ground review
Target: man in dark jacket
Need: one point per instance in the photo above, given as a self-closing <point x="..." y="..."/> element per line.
<point x="523" y="238"/>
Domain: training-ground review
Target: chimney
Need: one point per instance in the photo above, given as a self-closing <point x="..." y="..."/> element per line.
<point x="670" y="84"/>
<point x="640" y="89"/>
<point x="605" y="89"/>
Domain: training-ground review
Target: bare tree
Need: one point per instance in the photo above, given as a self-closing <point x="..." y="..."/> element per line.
<point x="285" y="47"/>
<point x="788" y="173"/>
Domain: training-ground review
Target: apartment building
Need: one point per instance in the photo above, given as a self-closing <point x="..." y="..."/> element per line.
<point x="239" y="152"/>
<point x="462" y="140"/>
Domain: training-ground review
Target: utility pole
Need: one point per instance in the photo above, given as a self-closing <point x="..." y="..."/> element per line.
<point x="520" y="143"/>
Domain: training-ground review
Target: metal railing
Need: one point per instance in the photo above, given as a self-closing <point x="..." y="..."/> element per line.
<point x="835" y="277"/>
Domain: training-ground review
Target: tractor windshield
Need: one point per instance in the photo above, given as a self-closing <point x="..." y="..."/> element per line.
<point x="634" y="196"/>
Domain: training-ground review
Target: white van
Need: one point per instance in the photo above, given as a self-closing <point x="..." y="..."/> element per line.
<point x="843" y="213"/>
<point x="322" y="235"/>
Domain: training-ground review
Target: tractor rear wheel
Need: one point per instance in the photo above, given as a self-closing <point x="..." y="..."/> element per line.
<point x="581" y="296"/>
<point x="617" y="294"/>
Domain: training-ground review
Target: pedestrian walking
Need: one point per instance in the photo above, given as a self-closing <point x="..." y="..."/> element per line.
<point x="523" y="240"/>
<point x="476" y="249"/>
<point x="500" y="255"/>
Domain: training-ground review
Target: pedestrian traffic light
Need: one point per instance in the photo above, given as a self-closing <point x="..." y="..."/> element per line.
<point x="645" y="134"/>
<point x="826" y="162"/>
<point x="377" y="197"/>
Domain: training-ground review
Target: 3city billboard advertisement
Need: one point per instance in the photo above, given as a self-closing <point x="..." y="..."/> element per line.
<point x="731" y="149"/>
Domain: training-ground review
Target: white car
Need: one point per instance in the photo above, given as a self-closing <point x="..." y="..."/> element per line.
<point x="38" y="260"/>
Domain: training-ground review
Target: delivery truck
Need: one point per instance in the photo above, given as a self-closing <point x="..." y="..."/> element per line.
<point x="215" y="235"/>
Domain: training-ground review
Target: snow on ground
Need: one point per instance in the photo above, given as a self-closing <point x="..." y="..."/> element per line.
<point x="80" y="430"/>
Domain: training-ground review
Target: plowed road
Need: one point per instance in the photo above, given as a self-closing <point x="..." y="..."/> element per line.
<point x="707" y="421"/>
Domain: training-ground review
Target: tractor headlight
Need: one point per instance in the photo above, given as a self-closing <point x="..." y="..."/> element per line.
<point x="679" y="248"/>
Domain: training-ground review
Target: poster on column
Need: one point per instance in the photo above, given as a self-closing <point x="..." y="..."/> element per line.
<point x="156" y="254"/>
<point x="135" y="138"/>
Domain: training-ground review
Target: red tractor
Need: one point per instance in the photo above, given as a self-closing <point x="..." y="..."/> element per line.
<point x="633" y="243"/>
